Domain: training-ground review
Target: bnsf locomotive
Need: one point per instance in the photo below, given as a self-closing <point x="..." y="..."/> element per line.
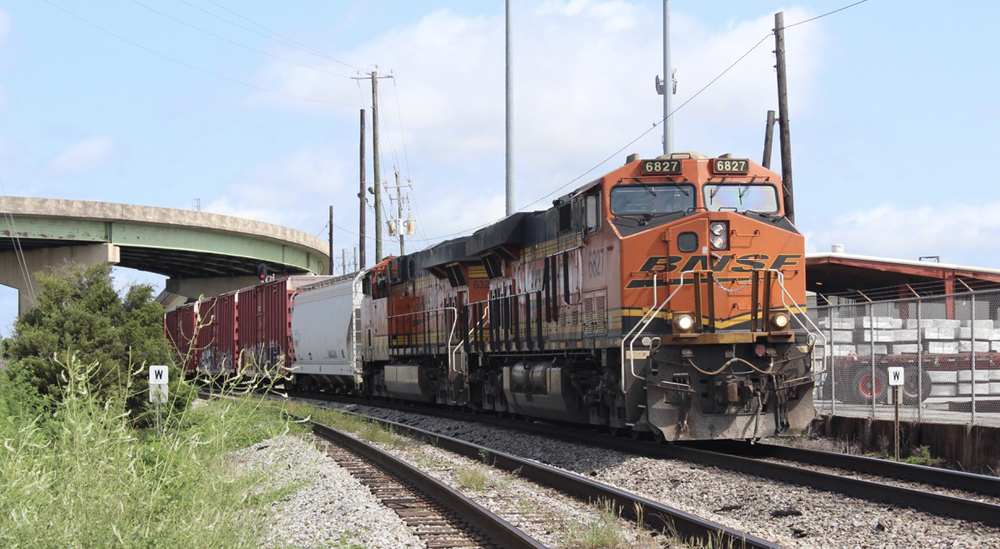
<point x="665" y="298"/>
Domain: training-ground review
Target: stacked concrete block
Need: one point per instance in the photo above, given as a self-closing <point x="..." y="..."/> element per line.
<point x="878" y="322"/>
<point x="965" y="382"/>
<point x="965" y="346"/>
<point x="942" y="347"/>
<point x="865" y="349"/>
<point x="843" y="350"/>
<point x="905" y="348"/>
<point x="840" y="336"/>
<point x="878" y="336"/>
<point x="837" y="323"/>
<point x="940" y="333"/>
<point x="943" y="384"/>
<point x="915" y="324"/>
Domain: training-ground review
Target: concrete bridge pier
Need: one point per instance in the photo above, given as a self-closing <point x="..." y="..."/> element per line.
<point x="40" y="259"/>
<point x="178" y="291"/>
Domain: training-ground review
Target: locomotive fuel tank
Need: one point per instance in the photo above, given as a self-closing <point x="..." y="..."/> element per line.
<point x="544" y="389"/>
<point x="410" y="382"/>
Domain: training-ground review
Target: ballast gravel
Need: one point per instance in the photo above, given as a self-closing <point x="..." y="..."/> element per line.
<point x="791" y="515"/>
<point x="329" y="509"/>
<point x="332" y="509"/>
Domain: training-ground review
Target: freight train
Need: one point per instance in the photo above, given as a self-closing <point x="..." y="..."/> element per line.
<point x="665" y="299"/>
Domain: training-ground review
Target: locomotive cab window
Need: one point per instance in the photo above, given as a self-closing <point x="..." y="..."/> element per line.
<point x="592" y="212"/>
<point x="741" y="197"/>
<point x="652" y="199"/>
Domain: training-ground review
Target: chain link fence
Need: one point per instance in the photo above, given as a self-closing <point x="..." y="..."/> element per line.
<point x="947" y="346"/>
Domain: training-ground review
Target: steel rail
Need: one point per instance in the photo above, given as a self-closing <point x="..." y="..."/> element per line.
<point x="945" y="478"/>
<point x="495" y="528"/>
<point x="933" y="503"/>
<point x="653" y="514"/>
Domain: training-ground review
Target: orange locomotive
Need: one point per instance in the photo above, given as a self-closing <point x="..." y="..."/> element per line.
<point x="666" y="298"/>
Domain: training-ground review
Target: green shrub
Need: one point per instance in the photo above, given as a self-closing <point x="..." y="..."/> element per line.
<point x="79" y="313"/>
<point x="922" y="456"/>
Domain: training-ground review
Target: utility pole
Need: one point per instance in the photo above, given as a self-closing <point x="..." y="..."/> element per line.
<point x="668" y="83"/>
<point x="785" y="137"/>
<point x="768" y="139"/>
<point x="377" y="172"/>
<point x="331" y="240"/>
<point x="508" y="125"/>
<point x="362" y="197"/>
<point x="399" y="214"/>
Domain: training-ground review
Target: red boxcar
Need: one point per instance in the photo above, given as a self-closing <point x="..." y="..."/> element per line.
<point x="265" y="331"/>
<point x="180" y="327"/>
<point x="218" y="343"/>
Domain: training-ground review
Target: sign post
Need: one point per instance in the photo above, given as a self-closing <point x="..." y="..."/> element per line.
<point x="896" y="383"/>
<point x="158" y="392"/>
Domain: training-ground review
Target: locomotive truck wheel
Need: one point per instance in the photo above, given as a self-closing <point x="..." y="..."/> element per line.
<point x="864" y="388"/>
<point x="912" y="393"/>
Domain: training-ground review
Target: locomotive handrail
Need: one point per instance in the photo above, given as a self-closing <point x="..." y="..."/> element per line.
<point x="451" y="334"/>
<point x="646" y="320"/>
<point x="651" y="313"/>
<point x="801" y="312"/>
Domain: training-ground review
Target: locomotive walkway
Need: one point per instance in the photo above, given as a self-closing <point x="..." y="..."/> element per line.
<point x="201" y="253"/>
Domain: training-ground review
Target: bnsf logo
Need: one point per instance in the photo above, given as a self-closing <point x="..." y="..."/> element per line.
<point x="729" y="262"/>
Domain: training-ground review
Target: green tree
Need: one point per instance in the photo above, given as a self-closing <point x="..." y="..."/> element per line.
<point x="78" y="312"/>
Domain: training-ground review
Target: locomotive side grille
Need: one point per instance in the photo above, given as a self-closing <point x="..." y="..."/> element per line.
<point x="595" y="317"/>
<point x="600" y="315"/>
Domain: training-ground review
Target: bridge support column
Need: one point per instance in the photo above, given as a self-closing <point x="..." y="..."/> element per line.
<point x="40" y="259"/>
<point x="195" y="287"/>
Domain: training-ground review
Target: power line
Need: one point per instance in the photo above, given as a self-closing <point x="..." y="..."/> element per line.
<point x="825" y="14"/>
<point x="192" y="67"/>
<point x="290" y="42"/>
<point x="235" y="43"/>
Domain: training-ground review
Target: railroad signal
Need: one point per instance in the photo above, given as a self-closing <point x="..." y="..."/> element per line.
<point x="261" y="272"/>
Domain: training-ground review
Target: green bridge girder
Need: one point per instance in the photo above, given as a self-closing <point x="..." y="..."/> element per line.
<point x="175" y="243"/>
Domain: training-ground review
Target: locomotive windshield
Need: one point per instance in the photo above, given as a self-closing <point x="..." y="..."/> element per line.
<point x="652" y="199"/>
<point x="741" y="197"/>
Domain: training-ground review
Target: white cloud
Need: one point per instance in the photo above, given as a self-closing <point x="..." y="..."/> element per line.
<point x="583" y="88"/>
<point x="84" y="156"/>
<point x="958" y="233"/>
<point x="280" y="192"/>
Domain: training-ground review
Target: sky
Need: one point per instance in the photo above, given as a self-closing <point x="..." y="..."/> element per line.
<point x="252" y="108"/>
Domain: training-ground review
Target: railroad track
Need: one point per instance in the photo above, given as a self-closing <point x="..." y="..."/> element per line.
<point x="944" y="478"/>
<point x="652" y="514"/>
<point x="644" y="511"/>
<point x="729" y="457"/>
<point x="440" y="516"/>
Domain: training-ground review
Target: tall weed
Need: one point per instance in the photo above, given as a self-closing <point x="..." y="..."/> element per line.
<point x="82" y="476"/>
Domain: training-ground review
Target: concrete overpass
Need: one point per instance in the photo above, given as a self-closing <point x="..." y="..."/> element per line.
<point x="201" y="253"/>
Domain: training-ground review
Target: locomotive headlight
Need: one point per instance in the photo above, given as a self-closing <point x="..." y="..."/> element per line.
<point x="718" y="235"/>
<point x="683" y="322"/>
<point x="780" y="321"/>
